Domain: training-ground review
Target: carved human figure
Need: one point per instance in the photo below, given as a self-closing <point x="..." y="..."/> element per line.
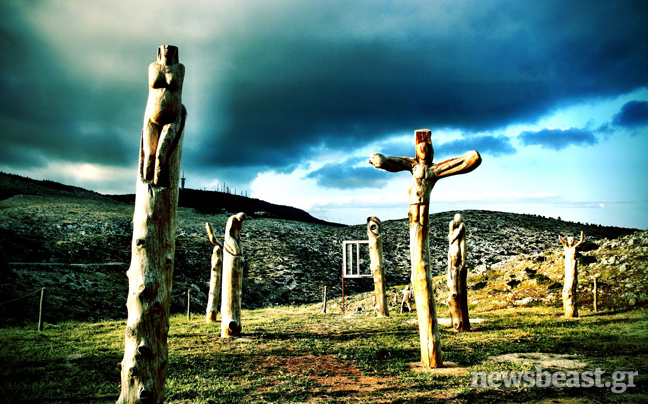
<point x="407" y="296"/>
<point x="571" y="275"/>
<point x="377" y="266"/>
<point x="164" y="117"/>
<point x="457" y="274"/>
<point x="425" y="174"/>
<point x="150" y="275"/>
<point x="215" y="277"/>
<point x="232" y="278"/>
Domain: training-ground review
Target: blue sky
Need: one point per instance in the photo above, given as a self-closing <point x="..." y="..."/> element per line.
<point x="287" y="99"/>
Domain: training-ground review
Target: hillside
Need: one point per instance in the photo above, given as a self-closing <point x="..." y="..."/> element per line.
<point x="77" y="246"/>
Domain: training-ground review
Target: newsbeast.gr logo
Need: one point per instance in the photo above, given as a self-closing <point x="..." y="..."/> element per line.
<point x="621" y="380"/>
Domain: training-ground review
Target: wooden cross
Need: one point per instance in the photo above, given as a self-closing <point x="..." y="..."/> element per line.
<point x="425" y="174"/>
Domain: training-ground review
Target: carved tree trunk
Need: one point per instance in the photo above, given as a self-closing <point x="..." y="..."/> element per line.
<point x="571" y="282"/>
<point x="431" y="356"/>
<point x="143" y="368"/>
<point x="377" y="266"/>
<point x="232" y="278"/>
<point x="215" y="278"/>
<point x="457" y="274"/>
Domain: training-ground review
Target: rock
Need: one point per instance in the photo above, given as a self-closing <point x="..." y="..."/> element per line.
<point x="541" y="279"/>
<point x="611" y="260"/>
<point x="529" y="273"/>
<point x="523" y="302"/>
<point x="479" y="285"/>
<point x="555" y="286"/>
<point x="624" y="267"/>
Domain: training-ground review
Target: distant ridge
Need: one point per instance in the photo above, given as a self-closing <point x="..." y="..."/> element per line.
<point x="214" y="202"/>
<point x="208" y="202"/>
<point x="12" y="185"/>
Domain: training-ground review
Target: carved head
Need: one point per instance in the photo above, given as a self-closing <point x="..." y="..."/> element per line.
<point x="457" y="218"/>
<point x="168" y="54"/>
<point x="373" y="225"/>
<point x="570" y="241"/>
<point x="424" y="149"/>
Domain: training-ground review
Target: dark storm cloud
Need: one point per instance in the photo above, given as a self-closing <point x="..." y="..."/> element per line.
<point x="269" y="82"/>
<point x="632" y="114"/>
<point x="348" y="175"/>
<point x="49" y="113"/>
<point x="342" y="82"/>
<point x="558" y="139"/>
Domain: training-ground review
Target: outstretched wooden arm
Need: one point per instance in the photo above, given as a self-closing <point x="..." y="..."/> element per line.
<point x="562" y="241"/>
<point x="210" y="232"/>
<point x="391" y="164"/>
<point x="581" y="240"/>
<point x="458" y="165"/>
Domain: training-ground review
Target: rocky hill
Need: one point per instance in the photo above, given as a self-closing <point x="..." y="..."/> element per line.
<point x="77" y="246"/>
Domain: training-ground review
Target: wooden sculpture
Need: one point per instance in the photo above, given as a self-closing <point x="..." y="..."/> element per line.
<point x="215" y="277"/>
<point x="377" y="266"/>
<point x="569" y="297"/>
<point x="232" y="278"/>
<point x="425" y="174"/>
<point x="143" y="368"/>
<point x="457" y="274"/>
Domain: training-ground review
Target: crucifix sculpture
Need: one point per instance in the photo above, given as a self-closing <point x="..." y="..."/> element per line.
<point x="425" y="174"/>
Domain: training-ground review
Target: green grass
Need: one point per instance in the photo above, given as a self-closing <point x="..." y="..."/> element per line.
<point x="295" y="354"/>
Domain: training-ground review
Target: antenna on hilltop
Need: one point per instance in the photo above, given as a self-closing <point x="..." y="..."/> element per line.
<point x="182" y="181"/>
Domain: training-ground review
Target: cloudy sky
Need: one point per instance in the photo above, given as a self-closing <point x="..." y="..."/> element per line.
<point x="286" y="100"/>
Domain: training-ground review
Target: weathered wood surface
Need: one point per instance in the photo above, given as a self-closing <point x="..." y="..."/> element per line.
<point x="232" y="278"/>
<point x="215" y="276"/>
<point x="377" y="266"/>
<point x="569" y="296"/>
<point x="143" y="368"/>
<point x="457" y="275"/>
<point x="425" y="174"/>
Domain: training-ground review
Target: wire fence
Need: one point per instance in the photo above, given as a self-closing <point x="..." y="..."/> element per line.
<point x="42" y="293"/>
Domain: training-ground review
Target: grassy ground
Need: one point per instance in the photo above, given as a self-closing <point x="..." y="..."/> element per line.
<point x="295" y="354"/>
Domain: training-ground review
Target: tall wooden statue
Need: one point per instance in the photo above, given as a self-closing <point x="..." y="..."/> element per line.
<point x="377" y="266"/>
<point x="143" y="369"/>
<point x="425" y="174"/>
<point x="215" y="278"/>
<point x="457" y="274"/>
<point x="571" y="276"/>
<point x="232" y="278"/>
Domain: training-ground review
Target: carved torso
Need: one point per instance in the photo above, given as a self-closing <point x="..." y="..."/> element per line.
<point x="422" y="183"/>
<point x="165" y="92"/>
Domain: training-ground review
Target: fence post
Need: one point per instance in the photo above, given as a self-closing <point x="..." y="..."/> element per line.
<point x="324" y="303"/>
<point x="188" y="304"/>
<point x="40" y="311"/>
<point x="595" y="291"/>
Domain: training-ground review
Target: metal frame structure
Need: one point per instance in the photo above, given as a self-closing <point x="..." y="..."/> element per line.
<point x="351" y="275"/>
